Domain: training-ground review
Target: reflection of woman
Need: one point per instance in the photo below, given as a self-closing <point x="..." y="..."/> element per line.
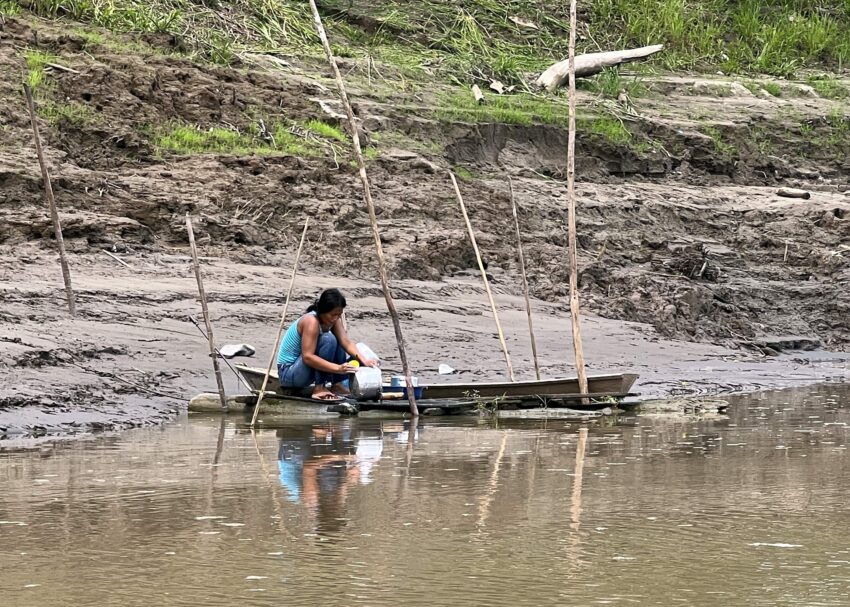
<point x="316" y="348"/>
<point x="317" y="470"/>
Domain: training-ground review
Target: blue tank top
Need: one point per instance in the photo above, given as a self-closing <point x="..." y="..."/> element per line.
<point x="290" y="347"/>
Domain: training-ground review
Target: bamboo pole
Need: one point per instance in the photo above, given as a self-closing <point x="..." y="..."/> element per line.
<point x="203" y="298"/>
<point x="51" y="202"/>
<point x="484" y="278"/>
<point x="524" y="281"/>
<point x="571" y="201"/>
<point x="367" y="197"/>
<point x="282" y="324"/>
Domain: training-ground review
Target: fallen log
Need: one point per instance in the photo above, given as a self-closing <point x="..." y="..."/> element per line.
<point x="793" y="193"/>
<point x="592" y="63"/>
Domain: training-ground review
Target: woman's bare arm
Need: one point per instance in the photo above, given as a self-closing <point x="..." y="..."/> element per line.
<point x="309" y="328"/>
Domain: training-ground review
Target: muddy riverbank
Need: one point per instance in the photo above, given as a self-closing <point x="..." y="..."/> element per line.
<point x="693" y="272"/>
<point x="132" y="358"/>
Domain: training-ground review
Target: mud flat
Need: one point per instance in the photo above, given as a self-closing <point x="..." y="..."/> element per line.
<point x="131" y="358"/>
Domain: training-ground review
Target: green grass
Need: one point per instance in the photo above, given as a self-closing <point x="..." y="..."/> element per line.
<point x="605" y="127"/>
<point x="720" y="145"/>
<point x="190" y="139"/>
<point x="609" y="84"/>
<point x="829" y="88"/>
<point x="520" y="109"/>
<point x="70" y="113"/>
<point x="479" y="39"/>
<point x="36" y="61"/>
<point x="773" y="88"/>
<point x="323" y="129"/>
<point x="9" y="8"/>
<point x="463" y="173"/>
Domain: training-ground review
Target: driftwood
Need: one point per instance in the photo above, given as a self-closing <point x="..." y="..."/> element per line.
<point x="794" y="193"/>
<point x="592" y="63"/>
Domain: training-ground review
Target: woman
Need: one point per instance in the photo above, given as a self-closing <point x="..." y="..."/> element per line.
<point x="316" y="348"/>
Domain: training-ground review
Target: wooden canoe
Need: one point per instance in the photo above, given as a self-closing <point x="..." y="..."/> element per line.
<point x="615" y="384"/>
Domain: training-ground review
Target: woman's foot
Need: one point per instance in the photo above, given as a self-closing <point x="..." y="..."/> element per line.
<point x="341" y="389"/>
<point x="323" y="394"/>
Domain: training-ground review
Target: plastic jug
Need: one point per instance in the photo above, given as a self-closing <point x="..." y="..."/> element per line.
<point x="366" y="351"/>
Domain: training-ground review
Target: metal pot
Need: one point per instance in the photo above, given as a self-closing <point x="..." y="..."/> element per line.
<point x="365" y="384"/>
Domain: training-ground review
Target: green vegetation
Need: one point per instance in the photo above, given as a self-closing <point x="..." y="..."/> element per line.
<point x="609" y="84"/>
<point x="323" y="129"/>
<point x="9" y="8"/>
<point x="720" y="146"/>
<point x="521" y="109"/>
<point x="191" y="139"/>
<point x="36" y="62"/>
<point x="476" y="40"/>
<point x="829" y="88"/>
<point x="772" y="88"/>
<point x="463" y="173"/>
<point x="70" y="112"/>
<point x="608" y="128"/>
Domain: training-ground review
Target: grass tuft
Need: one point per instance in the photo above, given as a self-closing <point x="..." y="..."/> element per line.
<point x="606" y="127"/>
<point x="323" y="129"/>
<point x="191" y="139"/>
<point x="829" y="88"/>
<point x="520" y="109"/>
<point x="36" y="62"/>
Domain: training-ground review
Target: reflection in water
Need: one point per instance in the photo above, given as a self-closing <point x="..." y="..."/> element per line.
<point x="746" y="509"/>
<point x="319" y="464"/>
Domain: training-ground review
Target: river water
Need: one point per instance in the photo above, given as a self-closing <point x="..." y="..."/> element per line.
<point x="748" y="508"/>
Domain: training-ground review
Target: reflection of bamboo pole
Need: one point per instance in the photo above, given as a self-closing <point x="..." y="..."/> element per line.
<point x="575" y="510"/>
<point x="51" y="202"/>
<point x="487" y="498"/>
<point x="276" y="501"/>
<point x="203" y="298"/>
<point x="280" y="328"/>
<point x="524" y="281"/>
<point x="571" y="201"/>
<point x="370" y="206"/>
<point x="484" y="278"/>
<point x="219" y="445"/>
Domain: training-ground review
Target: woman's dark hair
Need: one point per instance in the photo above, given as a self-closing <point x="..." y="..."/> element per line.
<point x="329" y="300"/>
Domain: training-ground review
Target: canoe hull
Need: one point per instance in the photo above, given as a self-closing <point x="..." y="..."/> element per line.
<point x="597" y="384"/>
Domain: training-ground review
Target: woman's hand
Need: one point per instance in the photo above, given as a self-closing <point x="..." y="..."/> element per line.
<point x="346" y="369"/>
<point x="369" y="362"/>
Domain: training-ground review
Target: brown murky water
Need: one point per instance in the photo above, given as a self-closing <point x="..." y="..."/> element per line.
<point x="745" y="509"/>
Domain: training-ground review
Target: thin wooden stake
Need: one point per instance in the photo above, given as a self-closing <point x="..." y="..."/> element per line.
<point x="203" y="298"/>
<point x="484" y="278"/>
<point x="524" y="281"/>
<point x="282" y="325"/>
<point x="118" y="259"/>
<point x="367" y="197"/>
<point x="571" y="201"/>
<point x="51" y="202"/>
